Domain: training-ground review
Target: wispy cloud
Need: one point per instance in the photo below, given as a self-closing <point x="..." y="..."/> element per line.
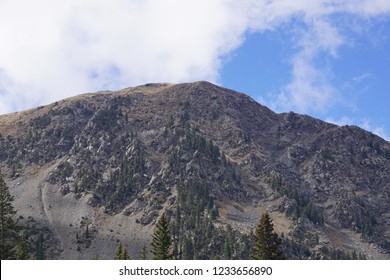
<point x="363" y="123"/>
<point x="317" y="41"/>
<point x="54" y="49"/>
<point x="378" y="130"/>
<point x="344" y="120"/>
<point x="361" y="77"/>
<point x="310" y="88"/>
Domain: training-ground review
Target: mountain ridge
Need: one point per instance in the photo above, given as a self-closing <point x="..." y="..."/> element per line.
<point x="122" y="158"/>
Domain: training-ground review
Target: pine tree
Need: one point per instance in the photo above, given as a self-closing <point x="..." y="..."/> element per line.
<point x="39" y="249"/>
<point x="121" y="253"/>
<point x="161" y="242"/>
<point x="22" y="249"/>
<point x="125" y="255"/>
<point x="7" y="224"/>
<point x="118" y="252"/>
<point x="267" y="242"/>
<point x="188" y="249"/>
<point x="227" y="247"/>
<point x="227" y="250"/>
<point x="143" y="253"/>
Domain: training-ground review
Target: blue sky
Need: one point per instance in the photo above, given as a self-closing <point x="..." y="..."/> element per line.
<point x="326" y="58"/>
<point x="357" y="75"/>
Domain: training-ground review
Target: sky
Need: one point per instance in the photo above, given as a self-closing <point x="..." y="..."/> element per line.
<point x="326" y="58"/>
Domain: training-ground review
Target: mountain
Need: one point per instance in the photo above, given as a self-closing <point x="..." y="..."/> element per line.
<point x="99" y="168"/>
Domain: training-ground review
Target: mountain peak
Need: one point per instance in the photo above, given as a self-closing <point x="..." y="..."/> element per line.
<point x="204" y="155"/>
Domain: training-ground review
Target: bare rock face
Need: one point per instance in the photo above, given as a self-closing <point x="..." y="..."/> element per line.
<point x="102" y="167"/>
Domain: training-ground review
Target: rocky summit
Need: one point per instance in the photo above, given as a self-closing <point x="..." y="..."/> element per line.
<point x="101" y="168"/>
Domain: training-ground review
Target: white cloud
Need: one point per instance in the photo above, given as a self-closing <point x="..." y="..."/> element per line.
<point x="78" y="46"/>
<point x="55" y="49"/>
<point x="317" y="40"/>
<point x="363" y="123"/>
<point x="378" y="130"/>
<point x="362" y="77"/>
<point x="344" y="120"/>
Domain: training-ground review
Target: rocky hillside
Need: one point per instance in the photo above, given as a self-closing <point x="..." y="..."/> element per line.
<point x="101" y="168"/>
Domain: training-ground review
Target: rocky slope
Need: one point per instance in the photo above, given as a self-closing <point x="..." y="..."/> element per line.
<point x="100" y="168"/>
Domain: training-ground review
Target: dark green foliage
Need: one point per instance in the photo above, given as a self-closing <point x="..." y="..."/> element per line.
<point x="227" y="249"/>
<point x="143" y="255"/>
<point x="88" y="180"/>
<point x="303" y="204"/>
<point x="65" y="111"/>
<point x="187" y="248"/>
<point x="162" y="241"/>
<point x="267" y="242"/>
<point x="337" y="254"/>
<point x="297" y="248"/>
<point x="39" y="248"/>
<point x="118" y="252"/>
<point x="106" y="118"/>
<point x="327" y="154"/>
<point x="7" y="224"/>
<point x="185" y="116"/>
<point x="366" y="221"/>
<point x="64" y="170"/>
<point x="104" y="159"/>
<point x="88" y="231"/>
<point x="44" y="141"/>
<point x="195" y="142"/>
<point x="121" y="253"/>
<point x="120" y="183"/>
<point x="194" y="235"/>
<point x="124" y="181"/>
<point x="41" y="122"/>
<point x="387" y="154"/>
<point x="247" y="137"/>
<point x="22" y="249"/>
<point x="171" y="122"/>
<point x="314" y="215"/>
<point x="208" y="242"/>
<point x="195" y="202"/>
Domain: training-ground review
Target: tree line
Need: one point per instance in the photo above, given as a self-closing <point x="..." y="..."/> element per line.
<point x="267" y="245"/>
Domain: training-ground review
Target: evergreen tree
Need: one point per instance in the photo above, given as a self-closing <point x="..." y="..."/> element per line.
<point x="188" y="249"/>
<point x="161" y="242"/>
<point x="143" y="253"/>
<point x="118" y="252"/>
<point x="227" y="250"/>
<point x="227" y="247"/>
<point x="121" y="253"/>
<point x="267" y="242"/>
<point x="125" y="255"/>
<point x="22" y="249"/>
<point x="39" y="250"/>
<point x="7" y="224"/>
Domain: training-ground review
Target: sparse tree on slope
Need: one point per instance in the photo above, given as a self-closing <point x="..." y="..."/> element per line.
<point x="267" y="242"/>
<point x="161" y="242"/>
<point x="118" y="252"/>
<point x="121" y="253"/>
<point x="7" y="224"/>
<point x="22" y="249"/>
<point x="143" y="253"/>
